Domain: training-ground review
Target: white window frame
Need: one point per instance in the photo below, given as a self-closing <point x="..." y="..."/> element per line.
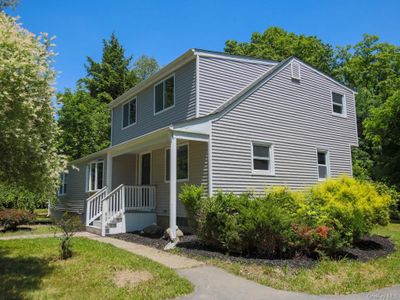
<point x="129" y="111"/>
<point x="62" y="189"/>
<point x="271" y="171"/>
<point x="188" y="163"/>
<point x="327" y="163"/>
<point x="154" y="95"/>
<point x="344" y="106"/>
<point x="89" y="177"/>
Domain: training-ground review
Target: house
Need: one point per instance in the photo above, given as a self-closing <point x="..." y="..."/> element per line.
<point x="226" y="122"/>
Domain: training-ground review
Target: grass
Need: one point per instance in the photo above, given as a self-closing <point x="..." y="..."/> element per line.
<point x="31" y="269"/>
<point x="328" y="276"/>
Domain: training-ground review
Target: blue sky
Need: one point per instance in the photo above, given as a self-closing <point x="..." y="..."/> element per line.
<point x="166" y="29"/>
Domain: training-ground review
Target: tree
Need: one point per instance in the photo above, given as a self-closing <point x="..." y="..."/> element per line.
<point x="382" y="129"/>
<point x="111" y="77"/>
<point x="28" y="132"/>
<point x="85" y="123"/>
<point x="277" y="44"/>
<point x="145" y="66"/>
<point x="8" y="4"/>
<point x="373" y="69"/>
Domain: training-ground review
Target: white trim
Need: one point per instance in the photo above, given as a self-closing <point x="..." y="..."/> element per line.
<point x="140" y="166"/>
<point x="154" y="95"/>
<point x="343" y="105"/>
<point x="89" y="175"/>
<point x="355" y="120"/>
<point x="172" y="188"/>
<point x="109" y="171"/>
<point x="327" y="163"/>
<point x="197" y="86"/>
<point x="234" y="58"/>
<point x="112" y="124"/>
<point x="188" y="163"/>
<point x="129" y="111"/>
<point x="271" y="171"/>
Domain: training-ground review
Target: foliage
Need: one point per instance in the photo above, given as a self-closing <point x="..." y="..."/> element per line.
<point x="85" y="123"/>
<point x="382" y="128"/>
<point x="17" y="196"/>
<point x="84" y="114"/>
<point x="8" y="4"/>
<point x="69" y="224"/>
<point x="277" y="44"/>
<point x="28" y="131"/>
<point x="111" y="77"/>
<point x="191" y="196"/>
<point x="10" y="219"/>
<point x="325" y="218"/>
<point x="145" y="66"/>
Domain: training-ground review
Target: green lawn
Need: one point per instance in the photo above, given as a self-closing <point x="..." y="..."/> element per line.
<point x="30" y="229"/>
<point x="328" y="277"/>
<point x="30" y="269"/>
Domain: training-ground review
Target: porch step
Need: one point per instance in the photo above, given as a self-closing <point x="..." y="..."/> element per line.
<point x="97" y="223"/>
<point x="94" y="229"/>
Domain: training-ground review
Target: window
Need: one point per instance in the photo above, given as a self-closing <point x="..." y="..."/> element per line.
<point x="164" y="95"/>
<point x="262" y="158"/>
<point x="338" y="104"/>
<point x="62" y="190"/>
<point x="323" y="164"/>
<point x="95" y="172"/>
<point x="182" y="163"/>
<point x="129" y="113"/>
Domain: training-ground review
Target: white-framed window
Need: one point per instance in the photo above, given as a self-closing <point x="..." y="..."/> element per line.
<point x="338" y="104"/>
<point x="262" y="158"/>
<point x="129" y="113"/>
<point x="62" y="190"/>
<point x="164" y="95"/>
<point x="323" y="164"/>
<point x="182" y="163"/>
<point x="95" y="175"/>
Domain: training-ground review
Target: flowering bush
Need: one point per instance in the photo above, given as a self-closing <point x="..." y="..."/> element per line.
<point x="10" y="219"/>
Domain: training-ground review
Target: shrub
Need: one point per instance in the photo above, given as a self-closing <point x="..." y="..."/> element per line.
<point x="325" y="218"/>
<point x="19" y="197"/>
<point x="12" y="218"/>
<point x="349" y="207"/>
<point x="69" y="224"/>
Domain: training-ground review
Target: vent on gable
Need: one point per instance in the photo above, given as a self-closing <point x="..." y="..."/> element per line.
<point x="295" y="70"/>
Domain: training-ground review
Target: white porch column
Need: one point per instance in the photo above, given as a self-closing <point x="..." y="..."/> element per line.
<point x="109" y="172"/>
<point x="172" y="188"/>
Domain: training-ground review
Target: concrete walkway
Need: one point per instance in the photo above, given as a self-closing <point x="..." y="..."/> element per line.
<point x="214" y="283"/>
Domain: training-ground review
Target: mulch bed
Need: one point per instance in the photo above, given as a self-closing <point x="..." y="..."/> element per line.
<point x="369" y="247"/>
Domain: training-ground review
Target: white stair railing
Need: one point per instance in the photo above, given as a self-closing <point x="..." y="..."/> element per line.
<point x="93" y="205"/>
<point x="113" y="206"/>
<point x="140" y="197"/>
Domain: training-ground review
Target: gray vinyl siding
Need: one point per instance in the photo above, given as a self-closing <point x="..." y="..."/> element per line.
<point x="146" y="121"/>
<point x="296" y="117"/>
<point x="124" y="170"/>
<point x="75" y="198"/>
<point x="221" y="79"/>
<point x="198" y="175"/>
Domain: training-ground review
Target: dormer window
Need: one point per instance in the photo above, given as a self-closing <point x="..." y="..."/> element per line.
<point x="164" y="95"/>
<point x="129" y="113"/>
<point x="338" y="104"/>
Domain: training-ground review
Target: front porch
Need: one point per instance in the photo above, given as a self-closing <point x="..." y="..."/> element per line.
<point x="143" y="179"/>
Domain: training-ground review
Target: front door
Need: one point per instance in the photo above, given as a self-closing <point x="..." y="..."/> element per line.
<point x="145" y="169"/>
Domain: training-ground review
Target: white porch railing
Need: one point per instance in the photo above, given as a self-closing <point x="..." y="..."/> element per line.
<point x="93" y="205"/>
<point x="140" y="197"/>
<point x="108" y="207"/>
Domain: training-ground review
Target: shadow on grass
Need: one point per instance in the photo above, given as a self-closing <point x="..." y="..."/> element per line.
<point x="20" y="228"/>
<point x="20" y="275"/>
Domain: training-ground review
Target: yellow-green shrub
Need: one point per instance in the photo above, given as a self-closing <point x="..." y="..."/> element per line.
<point x="349" y="206"/>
